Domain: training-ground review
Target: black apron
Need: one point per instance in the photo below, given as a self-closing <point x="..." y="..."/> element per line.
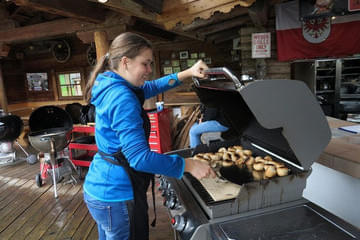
<point x="138" y="213"/>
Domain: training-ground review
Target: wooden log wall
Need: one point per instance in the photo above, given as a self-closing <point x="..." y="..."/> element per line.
<point x="41" y="60"/>
<point x="272" y="67"/>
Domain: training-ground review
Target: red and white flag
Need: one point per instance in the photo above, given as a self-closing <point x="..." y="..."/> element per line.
<point x="320" y="37"/>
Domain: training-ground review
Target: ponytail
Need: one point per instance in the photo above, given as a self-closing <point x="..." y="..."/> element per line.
<point x="99" y="68"/>
<point x="126" y="44"/>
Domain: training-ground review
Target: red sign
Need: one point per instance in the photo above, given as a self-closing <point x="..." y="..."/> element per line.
<point x="354" y="5"/>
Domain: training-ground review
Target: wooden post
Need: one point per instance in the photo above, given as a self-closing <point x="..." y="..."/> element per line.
<point x="101" y="43"/>
<point x="54" y="84"/>
<point x="157" y="72"/>
<point x="3" y="97"/>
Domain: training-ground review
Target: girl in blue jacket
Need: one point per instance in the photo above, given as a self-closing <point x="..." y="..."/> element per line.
<point x="118" y="178"/>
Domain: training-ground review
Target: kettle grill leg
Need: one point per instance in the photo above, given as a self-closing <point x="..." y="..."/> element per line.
<point x="52" y="162"/>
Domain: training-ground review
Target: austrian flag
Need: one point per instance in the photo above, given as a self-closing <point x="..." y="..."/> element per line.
<point x="315" y="38"/>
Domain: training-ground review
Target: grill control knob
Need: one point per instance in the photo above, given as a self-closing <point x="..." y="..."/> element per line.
<point x="171" y="202"/>
<point x="162" y="184"/>
<point x="178" y="222"/>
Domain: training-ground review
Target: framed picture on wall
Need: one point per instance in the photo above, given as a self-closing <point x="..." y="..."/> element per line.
<point x="37" y="81"/>
<point x="168" y="70"/>
<point x="175" y="63"/>
<point x="193" y="55"/>
<point x="191" y="62"/>
<point x="176" y="69"/>
<point x="184" y="54"/>
<point x="202" y="55"/>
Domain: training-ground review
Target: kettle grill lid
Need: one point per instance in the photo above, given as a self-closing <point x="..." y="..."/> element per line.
<point x="49" y="119"/>
<point x="281" y="116"/>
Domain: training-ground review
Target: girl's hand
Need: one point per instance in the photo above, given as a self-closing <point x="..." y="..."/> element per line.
<point x="198" y="169"/>
<point x="197" y="70"/>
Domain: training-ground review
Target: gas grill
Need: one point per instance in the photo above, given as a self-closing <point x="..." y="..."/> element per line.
<point x="279" y="118"/>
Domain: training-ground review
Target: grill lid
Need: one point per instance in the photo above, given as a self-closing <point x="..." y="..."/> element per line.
<point x="280" y="116"/>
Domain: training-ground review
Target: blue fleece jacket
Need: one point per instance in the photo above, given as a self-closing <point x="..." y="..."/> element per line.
<point x="119" y="126"/>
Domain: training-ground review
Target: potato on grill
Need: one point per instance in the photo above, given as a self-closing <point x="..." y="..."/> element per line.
<point x="260" y="167"/>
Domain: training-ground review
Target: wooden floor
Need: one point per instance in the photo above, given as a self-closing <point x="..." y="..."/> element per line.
<point x="29" y="212"/>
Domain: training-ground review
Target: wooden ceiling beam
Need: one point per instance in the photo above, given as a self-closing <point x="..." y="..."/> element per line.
<point x="51" y="29"/>
<point x="258" y="13"/>
<point x="152" y="5"/>
<point x="79" y="9"/>
<point x="222" y="26"/>
<point x="190" y="8"/>
<point x="185" y="13"/>
<point x="223" y="36"/>
<point x="111" y="32"/>
<point x="42" y="30"/>
<point x="130" y="8"/>
<point x="151" y="29"/>
<point x="216" y="18"/>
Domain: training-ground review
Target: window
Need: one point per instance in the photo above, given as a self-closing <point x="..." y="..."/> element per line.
<point x="69" y="84"/>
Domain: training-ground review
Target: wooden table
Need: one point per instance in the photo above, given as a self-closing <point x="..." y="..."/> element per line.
<point x="343" y="152"/>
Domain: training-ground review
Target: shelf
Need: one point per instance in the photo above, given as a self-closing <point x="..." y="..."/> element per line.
<point x="351" y="74"/>
<point x="325" y="91"/>
<point x="350" y="96"/>
<point x="324" y="77"/>
<point x="326" y="69"/>
<point x="352" y="67"/>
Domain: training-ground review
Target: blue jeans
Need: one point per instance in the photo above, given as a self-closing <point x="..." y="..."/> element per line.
<point x="112" y="218"/>
<point x="199" y="128"/>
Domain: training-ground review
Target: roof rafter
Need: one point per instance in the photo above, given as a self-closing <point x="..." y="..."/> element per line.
<point x="79" y="9"/>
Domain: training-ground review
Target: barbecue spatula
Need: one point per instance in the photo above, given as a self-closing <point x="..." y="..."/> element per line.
<point x="235" y="174"/>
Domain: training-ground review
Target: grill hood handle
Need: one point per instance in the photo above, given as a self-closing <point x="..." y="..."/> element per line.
<point x="221" y="73"/>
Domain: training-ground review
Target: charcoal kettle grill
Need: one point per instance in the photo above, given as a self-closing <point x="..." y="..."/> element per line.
<point x="50" y="133"/>
<point x="279" y="118"/>
<point x="11" y="127"/>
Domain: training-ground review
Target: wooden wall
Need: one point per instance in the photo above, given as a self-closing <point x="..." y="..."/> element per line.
<point x="220" y="56"/>
<point x="271" y="67"/>
<point x="13" y="75"/>
<point x="41" y="60"/>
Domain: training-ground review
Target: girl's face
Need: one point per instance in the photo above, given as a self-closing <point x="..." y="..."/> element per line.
<point x="139" y="69"/>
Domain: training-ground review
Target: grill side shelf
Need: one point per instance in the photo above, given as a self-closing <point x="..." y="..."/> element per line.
<point x="203" y="193"/>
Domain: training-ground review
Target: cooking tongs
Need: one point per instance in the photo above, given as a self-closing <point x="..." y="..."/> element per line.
<point x="220" y="73"/>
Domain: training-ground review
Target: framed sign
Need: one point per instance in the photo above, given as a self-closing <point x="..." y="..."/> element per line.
<point x="184" y="55"/>
<point x="37" y="81"/>
<point x="167" y="70"/>
<point x="261" y="45"/>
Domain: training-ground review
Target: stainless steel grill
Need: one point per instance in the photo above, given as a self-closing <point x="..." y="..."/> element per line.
<point x="269" y="119"/>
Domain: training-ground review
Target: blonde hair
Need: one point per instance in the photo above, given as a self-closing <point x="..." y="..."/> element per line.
<point x="126" y="44"/>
